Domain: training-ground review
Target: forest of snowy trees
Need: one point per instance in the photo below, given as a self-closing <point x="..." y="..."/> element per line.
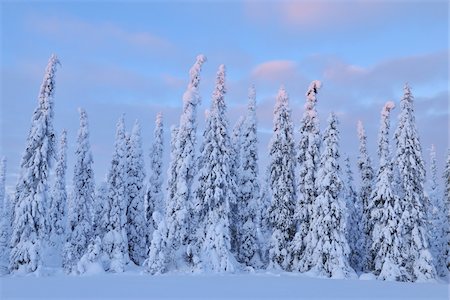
<point x="216" y="212"/>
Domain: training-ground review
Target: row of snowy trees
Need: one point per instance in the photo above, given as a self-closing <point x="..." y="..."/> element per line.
<point x="215" y="216"/>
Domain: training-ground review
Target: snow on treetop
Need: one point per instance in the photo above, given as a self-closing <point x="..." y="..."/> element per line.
<point x="194" y="72"/>
<point x="159" y="117"/>
<point x="313" y="88"/>
<point x="387" y="108"/>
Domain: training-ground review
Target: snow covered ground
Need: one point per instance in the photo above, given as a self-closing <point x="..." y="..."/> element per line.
<point x="135" y="285"/>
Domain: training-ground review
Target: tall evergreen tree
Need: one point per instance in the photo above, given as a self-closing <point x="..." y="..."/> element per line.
<point x="354" y="224"/>
<point x="79" y="218"/>
<point x="282" y="184"/>
<point x="366" y="185"/>
<point x="247" y="202"/>
<point x="154" y="206"/>
<point x="136" y="225"/>
<point x="385" y="211"/>
<point x="30" y="225"/>
<point x="115" y="243"/>
<point x="58" y="202"/>
<point x="447" y="206"/>
<point x="179" y="204"/>
<point x="415" y="253"/>
<point x="436" y="216"/>
<point x="216" y="185"/>
<point x="235" y="170"/>
<point x="308" y="160"/>
<point x="327" y="250"/>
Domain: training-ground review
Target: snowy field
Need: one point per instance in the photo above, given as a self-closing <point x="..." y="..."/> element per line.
<point x="134" y="285"/>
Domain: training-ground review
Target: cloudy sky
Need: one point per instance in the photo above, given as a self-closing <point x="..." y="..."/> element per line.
<point x="134" y="57"/>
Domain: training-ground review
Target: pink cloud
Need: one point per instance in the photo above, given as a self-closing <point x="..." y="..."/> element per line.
<point x="274" y="70"/>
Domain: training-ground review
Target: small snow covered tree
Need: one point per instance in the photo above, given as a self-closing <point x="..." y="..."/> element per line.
<point x="30" y="229"/>
<point x="247" y="201"/>
<point x="216" y="185"/>
<point x="136" y="224"/>
<point x="281" y="184"/>
<point x="183" y="161"/>
<point x="154" y="206"/>
<point x="308" y="161"/>
<point x="365" y="194"/>
<point x="415" y="252"/>
<point x="157" y="260"/>
<point x="115" y="243"/>
<point x="436" y="213"/>
<point x="79" y="218"/>
<point x="57" y="213"/>
<point x="385" y="212"/>
<point x="327" y="251"/>
<point x="5" y="221"/>
<point x="354" y="217"/>
<point x="235" y="169"/>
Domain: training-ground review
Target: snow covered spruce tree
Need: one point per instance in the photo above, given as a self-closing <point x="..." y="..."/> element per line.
<point x="447" y="206"/>
<point x="415" y="253"/>
<point x="5" y="221"/>
<point x="158" y="251"/>
<point x="115" y="243"/>
<point x="136" y="225"/>
<point x="183" y="161"/>
<point x="365" y="193"/>
<point x="57" y="213"/>
<point x="281" y="184"/>
<point x="354" y="217"/>
<point x="327" y="250"/>
<point x="216" y="185"/>
<point x="79" y="218"/>
<point x="30" y="229"/>
<point x="235" y="169"/>
<point x="436" y="215"/>
<point x="154" y="206"/>
<point x="308" y="160"/>
<point x="247" y="201"/>
<point x="385" y="211"/>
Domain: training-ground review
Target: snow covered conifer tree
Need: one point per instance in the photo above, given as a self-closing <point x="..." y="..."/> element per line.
<point x="179" y="204"/>
<point x="235" y="169"/>
<point x="415" y="252"/>
<point x="154" y="206"/>
<point x="282" y="184"/>
<point x="365" y="194"/>
<point x="248" y="252"/>
<point x="216" y="185"/>
<point x="385" y="211"/>
<point x="136" y="224"/>
<point x="30" y="229"/>
<point x="115" y="243"/>
<point x="308" y="160"/>
<point x="58" y="202"/>
<point x="354" y="224"/>
<point x="436" y="216"/>
<point x="5" y="221"/>
<point x="447" y="206"/>
<point x="79" y="218"/>
<point x="327" y="251"/>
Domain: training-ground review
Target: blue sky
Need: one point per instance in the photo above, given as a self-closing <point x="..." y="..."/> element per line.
<point x="134" y="57"/>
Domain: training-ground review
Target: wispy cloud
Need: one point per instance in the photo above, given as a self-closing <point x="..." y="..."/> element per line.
<point x="91" y="34"/>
